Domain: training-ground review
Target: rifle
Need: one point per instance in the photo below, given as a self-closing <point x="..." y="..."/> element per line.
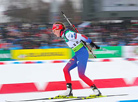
<point x="75" y="29"/>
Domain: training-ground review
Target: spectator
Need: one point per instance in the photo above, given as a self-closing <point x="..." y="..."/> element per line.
<point x="30" y="36"/>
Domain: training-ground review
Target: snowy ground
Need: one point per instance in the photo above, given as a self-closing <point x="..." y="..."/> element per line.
<point x="131" y="91"/>
<point x="41" y="73"/>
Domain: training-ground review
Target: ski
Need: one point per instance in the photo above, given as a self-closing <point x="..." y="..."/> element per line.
<point x="49" y="98"/>
<point x="92" y="97"/>
<point x="70" y="98"/>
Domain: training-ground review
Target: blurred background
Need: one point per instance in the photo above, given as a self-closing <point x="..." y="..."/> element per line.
<point x="26" y="24"/>
<point x="32" y="58"/>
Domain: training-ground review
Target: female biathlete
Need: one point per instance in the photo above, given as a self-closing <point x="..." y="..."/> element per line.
<point x="74" y="41"/>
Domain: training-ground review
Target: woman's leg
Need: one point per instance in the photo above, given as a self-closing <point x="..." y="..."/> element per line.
<point x="82" y="63"/>
<point x="69" y="66"/>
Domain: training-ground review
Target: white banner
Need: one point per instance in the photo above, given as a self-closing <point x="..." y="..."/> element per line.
<point x="130" y="51"/>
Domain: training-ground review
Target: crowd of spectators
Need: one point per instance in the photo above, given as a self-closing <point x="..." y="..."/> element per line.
<point x="113" y="34"/>
<point x="26" y="36"/>
<point x="35" y="36"/>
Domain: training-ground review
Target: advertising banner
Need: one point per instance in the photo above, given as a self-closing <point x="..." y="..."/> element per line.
<point x="130" y="51"/>
<point x="5" y="55"/>
<point x="108" y="52"/>
<point x="41" y="54"/>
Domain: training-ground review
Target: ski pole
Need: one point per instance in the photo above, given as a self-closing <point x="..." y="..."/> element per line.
<point x="75" y="29"/>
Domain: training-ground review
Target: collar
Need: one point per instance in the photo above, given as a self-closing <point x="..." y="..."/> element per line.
<point x="61" y="33"/>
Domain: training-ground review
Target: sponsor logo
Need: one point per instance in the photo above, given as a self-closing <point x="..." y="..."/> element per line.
<point x="106" y="52"/>
<point x="72" y="59"/>
<point x="136" y="50"/>
<point x="5" y="56"/>
<point x="22" y="56"/>
<point x="40" y="54"/>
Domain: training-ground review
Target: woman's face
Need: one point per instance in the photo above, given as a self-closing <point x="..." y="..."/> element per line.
<point x="56" y="32"/>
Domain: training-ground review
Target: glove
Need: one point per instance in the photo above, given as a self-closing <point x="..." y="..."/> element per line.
<point x="94" y="45"/>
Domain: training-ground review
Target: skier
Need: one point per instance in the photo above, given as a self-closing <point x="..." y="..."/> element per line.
<point x="74" y="41"/>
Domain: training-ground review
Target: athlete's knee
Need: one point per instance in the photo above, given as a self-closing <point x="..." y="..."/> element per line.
<point x="65" y="70"/>
<point x="81" y="75"/>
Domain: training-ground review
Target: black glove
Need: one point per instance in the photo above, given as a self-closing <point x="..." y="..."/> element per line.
<point x="94" y="45"/>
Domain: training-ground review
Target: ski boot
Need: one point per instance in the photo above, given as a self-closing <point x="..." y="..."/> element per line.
<point x="96" y="92"/>
<point x="68" y="93"/>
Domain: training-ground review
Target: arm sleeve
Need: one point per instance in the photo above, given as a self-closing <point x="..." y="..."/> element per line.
<point x="84" y="38"/>
<point x="73" y="36"/>
<point x="88" y="40"/>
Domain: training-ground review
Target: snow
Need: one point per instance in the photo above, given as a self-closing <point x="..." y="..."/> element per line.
<point x="131" y="91"/>
<point x="47" y="72"/>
